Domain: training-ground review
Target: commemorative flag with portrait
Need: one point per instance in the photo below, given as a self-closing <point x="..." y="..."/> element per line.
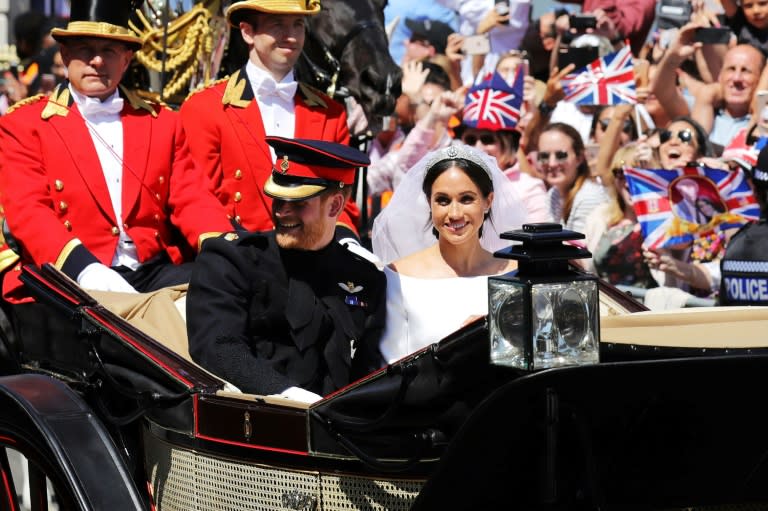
<point x="493" y="104"/>
<point x="609" y="80"/>
<point x="676" y="206"/>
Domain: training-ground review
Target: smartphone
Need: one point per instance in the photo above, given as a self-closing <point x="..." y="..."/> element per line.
<point x="761" y="112"/>
<point x="590" y="151"/>
<point x="580" y="57"/>
<point x="502" y="7"/>
<point x="476" y="45"/>
<point x="712" y="35"/>
<point x="581" y="22"/>
<point x="673" y="13"/>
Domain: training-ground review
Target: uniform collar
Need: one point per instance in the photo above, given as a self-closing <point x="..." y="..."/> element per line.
<point x="239" y="92"/>
<point x="61" y="99"/>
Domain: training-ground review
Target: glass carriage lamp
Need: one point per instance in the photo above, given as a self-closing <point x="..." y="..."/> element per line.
<point x="546" y="315"/>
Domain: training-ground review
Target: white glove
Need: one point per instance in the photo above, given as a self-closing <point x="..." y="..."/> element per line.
<point x="301" y="395"/>
<point x="98" y="277"/>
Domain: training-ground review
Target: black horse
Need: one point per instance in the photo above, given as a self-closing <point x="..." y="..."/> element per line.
<point x="346" y="53"/>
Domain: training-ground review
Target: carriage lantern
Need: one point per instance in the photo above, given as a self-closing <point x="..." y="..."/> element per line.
<point x="546" y="315"/>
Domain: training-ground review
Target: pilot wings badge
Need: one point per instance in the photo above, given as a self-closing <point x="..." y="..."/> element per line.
<point x="351" y="298"/>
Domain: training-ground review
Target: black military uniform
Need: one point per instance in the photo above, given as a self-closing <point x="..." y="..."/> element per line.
<point x="744" y="266"/>
<point x="267" y="318"/>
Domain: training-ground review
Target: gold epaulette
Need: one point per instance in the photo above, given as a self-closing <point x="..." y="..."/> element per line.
<point x="152" y="98"/>
<point x="314" y="97"/>
<point x="137" y="101"/>
<point x="23" y="102"/>
<point x="202" y="87"/>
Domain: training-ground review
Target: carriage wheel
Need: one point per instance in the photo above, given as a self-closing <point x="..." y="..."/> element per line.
<point x="41" y="473"/>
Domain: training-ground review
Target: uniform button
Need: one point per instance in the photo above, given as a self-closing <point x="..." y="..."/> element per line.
<point x="115" y="231"/>
<point x="157" y="196"/>
<point x="157" y="217"/>
<point x="161" y="179"/>
<point x="157" y="235"/>
<point x="238" y="196"/>
<point x="63" y="206"/>
<point x="68" y="225"/>
<point x="59" y="184"/>
<point x="237" y="219"/>
<point x="238" y="174"/>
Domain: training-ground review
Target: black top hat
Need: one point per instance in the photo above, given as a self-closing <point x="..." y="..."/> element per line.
<point x="305" y="168"/>
<point x="106" y="19"/>
<point x="433" y="31"/>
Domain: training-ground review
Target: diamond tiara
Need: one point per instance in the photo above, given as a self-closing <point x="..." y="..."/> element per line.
<point x="459" y="151"/>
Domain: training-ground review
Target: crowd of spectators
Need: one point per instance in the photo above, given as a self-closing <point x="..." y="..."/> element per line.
<point x="698" y="100"/>
<point x="698" y="68"/>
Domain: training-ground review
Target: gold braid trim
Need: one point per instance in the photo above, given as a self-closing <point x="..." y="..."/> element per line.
<point x="202" y="87"/>
<point x="189" y="46"/>
<point x="66" y="252"/>
<point x="24" y="102"/>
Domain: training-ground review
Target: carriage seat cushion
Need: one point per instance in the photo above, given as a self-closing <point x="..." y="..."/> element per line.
<point x="156" y="314"/>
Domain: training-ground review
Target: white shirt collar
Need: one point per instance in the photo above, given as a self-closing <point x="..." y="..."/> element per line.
<point x="257" y="75"/>
<point x="85" y="103"/>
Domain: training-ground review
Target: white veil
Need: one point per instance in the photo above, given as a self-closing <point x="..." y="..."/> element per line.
<point x="404" y="226"/>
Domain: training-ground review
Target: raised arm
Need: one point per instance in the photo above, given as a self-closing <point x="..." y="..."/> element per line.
<point x="663" y="84"/>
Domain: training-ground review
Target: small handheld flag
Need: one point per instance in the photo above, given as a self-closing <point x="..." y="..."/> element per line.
<point x="609" y="80"/>
<point x="493" y="104"/>
<point x="676" y="206"/>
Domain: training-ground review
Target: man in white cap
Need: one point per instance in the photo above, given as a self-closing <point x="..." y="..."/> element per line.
<point x="228" y="121"/>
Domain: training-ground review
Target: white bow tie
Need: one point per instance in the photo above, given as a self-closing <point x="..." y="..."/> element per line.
<point x="284" y="91"/>
<point x="94" y="107"/>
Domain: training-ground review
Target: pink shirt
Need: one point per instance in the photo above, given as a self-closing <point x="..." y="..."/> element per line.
<point x="533" y="193"/>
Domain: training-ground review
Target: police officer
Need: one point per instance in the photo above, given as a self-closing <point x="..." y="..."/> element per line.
<point x="744" y="266"/>
<point x="290" y="311"/>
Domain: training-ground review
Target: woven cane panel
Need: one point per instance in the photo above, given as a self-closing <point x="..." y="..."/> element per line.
<point x="183" y="480"/>
<point x="347" y="492"/>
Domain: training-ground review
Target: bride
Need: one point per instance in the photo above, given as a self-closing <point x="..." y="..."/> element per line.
<point x="437" y="234"/>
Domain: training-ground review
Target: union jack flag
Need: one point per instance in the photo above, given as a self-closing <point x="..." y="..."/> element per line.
<point x="676" y="206"/>
<point x="493" y="105"/>
<point x="609" y="80"/>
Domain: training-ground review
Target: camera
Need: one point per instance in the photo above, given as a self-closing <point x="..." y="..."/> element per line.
<point x="578" y="56"/>
<point x="582" y="22"/>
<point x="673" y="13"/>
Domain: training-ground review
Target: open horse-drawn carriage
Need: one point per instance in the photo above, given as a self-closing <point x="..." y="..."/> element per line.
<point x="116" y="416"/>
<point x="113" y="414"/>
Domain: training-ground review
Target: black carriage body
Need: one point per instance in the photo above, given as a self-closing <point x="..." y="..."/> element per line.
<point x="647" y="428"/>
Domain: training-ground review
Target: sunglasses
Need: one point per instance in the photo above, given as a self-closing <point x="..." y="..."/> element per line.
<point x="627" y="128"/>
<point x="560" y="156"/>
<point x="485" y="139"/>
<point x="685" y="136"/>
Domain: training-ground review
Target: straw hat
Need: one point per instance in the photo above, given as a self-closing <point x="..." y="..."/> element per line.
<point x="236" y="11"/>
<point x="106" y="19"/>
